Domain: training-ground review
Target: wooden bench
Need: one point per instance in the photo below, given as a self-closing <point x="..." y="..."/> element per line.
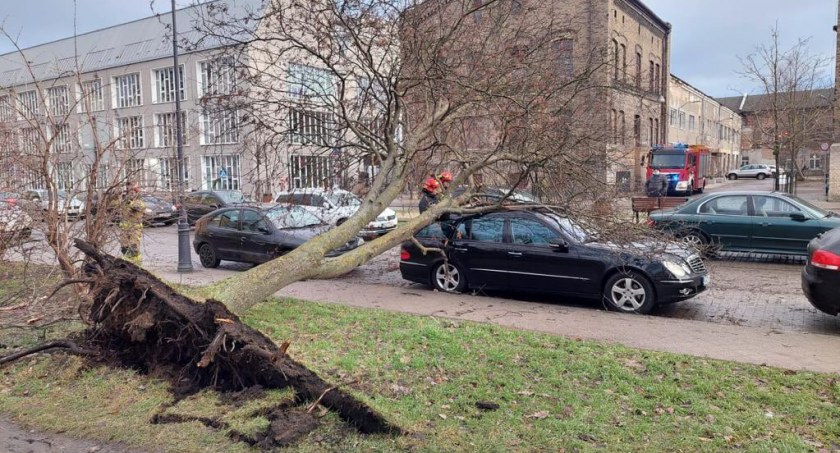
<point x="648" y="204"/>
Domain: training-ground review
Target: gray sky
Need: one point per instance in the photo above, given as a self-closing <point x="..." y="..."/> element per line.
<point x="707" y="35"/>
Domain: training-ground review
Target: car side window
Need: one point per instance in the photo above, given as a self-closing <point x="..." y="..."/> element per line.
<point x="302" y="199"/>
<point x="529" y="231"/>
<point x="229" y="219"/>
<point x="433" y="231"/>
<point x="285" y="199"/>
<point x="316" y="201"/>
<point x="765" y="206"/>
<point x="253" y="222"/>
<point x="728" y="205"/>
<point x="192" y="199"/>
<point x="210" y="201"/>
<point x="487" y="229"/>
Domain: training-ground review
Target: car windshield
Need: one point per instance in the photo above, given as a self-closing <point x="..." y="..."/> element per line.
<point x="573" y="229"/>
<point x="816" y="211"/>
<point x="343" y="199"/>
<point x="291" y="217"/>
<point x="659" y="160"/>
<point x="231" y="196"/>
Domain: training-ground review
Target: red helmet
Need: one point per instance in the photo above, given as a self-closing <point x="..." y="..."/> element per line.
<point x="431" y="185"/>
<point x="445" y="176"/>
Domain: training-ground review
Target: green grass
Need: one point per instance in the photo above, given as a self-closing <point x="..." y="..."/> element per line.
<point x="426" y="374"/>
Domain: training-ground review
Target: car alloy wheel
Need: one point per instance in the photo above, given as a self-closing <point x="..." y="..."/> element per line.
<point x="629" y="292"/>
<point x="761" y="176"/>
<point x="208" y="256"/>
<point x="732" y="177"/>
<point x="694" y="239"/>
<point x="447" y="277"/>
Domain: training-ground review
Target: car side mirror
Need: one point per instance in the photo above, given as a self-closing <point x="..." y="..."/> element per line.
<point x="798" y="216"/>
<point x="562" y="246"/>
<point x="264" y="230"/>
<point x="214" y="206"/>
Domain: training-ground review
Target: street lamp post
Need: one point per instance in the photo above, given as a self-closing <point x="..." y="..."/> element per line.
<point x="184" y="258"/>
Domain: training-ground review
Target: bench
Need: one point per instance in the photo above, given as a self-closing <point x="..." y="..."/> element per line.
<point x="648" y="204"/>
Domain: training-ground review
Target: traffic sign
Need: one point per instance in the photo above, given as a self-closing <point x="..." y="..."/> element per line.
<point x="222" y="173"/>
<point x="825" y="146"/>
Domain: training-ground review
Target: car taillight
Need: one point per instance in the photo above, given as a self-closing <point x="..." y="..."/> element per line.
<point x="651" y="223"/>
<point x="825" y="260"/>
<point x="404" y="255"/>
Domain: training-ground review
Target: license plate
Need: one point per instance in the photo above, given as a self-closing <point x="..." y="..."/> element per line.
<point x="706" y="280"/>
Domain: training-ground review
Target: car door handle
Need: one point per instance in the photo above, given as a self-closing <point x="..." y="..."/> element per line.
<point x="764" y="223"/>
<point x="515" y="253"/>
<point x="459" y="249"/>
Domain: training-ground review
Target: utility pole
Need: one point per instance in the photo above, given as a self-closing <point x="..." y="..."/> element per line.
<point x="184" y="256"/>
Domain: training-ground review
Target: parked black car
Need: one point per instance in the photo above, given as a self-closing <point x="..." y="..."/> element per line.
<point x="821" y="275"/>
<point x="203" y="202"/>
<point x="538" y="251"/>
<point x="255" y="235"/>
<point x="158" y="210"/>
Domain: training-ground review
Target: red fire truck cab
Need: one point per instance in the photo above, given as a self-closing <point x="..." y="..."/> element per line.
<point x="685" y="166"/>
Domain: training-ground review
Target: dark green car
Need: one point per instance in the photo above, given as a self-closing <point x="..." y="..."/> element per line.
<point x="768" y="222"/>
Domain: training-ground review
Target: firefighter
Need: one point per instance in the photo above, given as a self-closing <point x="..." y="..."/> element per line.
<point x="657" y="185"/>
<point x="131" y="224"/>
<point x="430" y="192"/>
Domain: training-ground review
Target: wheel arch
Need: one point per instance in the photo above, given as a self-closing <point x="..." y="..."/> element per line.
<point x="619" y="269"/>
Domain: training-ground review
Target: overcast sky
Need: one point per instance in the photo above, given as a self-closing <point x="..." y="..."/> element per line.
<point x="708" y="36"/>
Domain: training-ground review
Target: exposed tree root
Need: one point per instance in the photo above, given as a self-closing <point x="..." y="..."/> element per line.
<point x="142" y="323"/>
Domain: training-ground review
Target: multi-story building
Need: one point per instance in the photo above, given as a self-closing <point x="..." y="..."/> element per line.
<point x="806" y="121"/>
<point x="695" y="118"/>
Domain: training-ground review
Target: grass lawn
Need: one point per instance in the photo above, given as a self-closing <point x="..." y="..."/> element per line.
<point x="427" y="374"/>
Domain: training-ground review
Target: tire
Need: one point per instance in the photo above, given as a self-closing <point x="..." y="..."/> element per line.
<point x="695" y="238"/>
<point x="702" y="189"/>
<point x="207" y="255"/>
<point x="448" y="277"/>
<point x="760" y="176"/>
<point x="629" y="292"/>
<point x="732" y="176"/>
<point x="690" y="190"/>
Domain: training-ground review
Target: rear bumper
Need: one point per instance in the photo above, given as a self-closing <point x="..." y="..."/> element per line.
<point x="415" y="272"/>
<point x="676" y="290"/>
<point x="822" y="288"/>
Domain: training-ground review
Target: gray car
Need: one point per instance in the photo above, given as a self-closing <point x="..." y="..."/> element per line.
<point x="758" y="171"/>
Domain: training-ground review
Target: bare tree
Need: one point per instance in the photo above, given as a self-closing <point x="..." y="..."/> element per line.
<point x="793" y="113"/>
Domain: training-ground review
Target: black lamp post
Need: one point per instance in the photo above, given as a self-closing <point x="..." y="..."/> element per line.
<point x="184" y="258"/>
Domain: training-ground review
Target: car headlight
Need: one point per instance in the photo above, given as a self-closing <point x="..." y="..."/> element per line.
<point x="678" y="270"/>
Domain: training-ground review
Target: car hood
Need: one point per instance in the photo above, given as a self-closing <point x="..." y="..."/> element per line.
<point x="651" y="249"/>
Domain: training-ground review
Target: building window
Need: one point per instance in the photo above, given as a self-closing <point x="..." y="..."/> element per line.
<point x="657" y="80"/>
<point x="815" y="163"/>
<point x="64" y="178"/>
<point x="638" y="70"/>
<point x="130" y="132"/>
<point x="565" y="56"/>
<point x="622" y="127"/>
<point x="311" y="128"/>
<point x="92" y="100"/>
<point x="7" y="111"/>
<point x="30" y="140"/>
<point x="310" y="171"/>
<point x="307" y="82"/>
<point x="169" y="173"/>
<point x="682" y="119"/>
<point x="101" y="176"/>
<point x="29" y="105"/>
<point x="127" y="91"/>
<point x="221" y="173"/>
<point x="745" y="160"/>
<point x="691" y="125"/>
<point x="135" y="171"/>
<point x="651" y="73"/>
<point x="616" y="59"/>
<point x="219" y="126"/>
<point x="164" y="84"/>
<point x="476" y="5"/>
<point x="165" y="130"/>
<point x="59" y="100"/>
<point x="61" y="138"/>
<point x="656" y="133"/>
<point x="637" y="130"/>
<point x="613" y="126"/>
<point x="650" y="131"/>
<point x="217" y="78"/>
<point x="624" y="63"/>
<point x="673" y="119"/>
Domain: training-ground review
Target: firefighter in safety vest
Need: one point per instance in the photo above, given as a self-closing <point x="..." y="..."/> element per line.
<point x="433" y="187"/>
<point x="131" y="224"/>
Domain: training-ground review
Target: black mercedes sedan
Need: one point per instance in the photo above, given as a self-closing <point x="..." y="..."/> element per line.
<point x="538" y="251"/>
<point x="203" y="202"/>
<point x="255" y="235"/>
<point x="821" y="275"/>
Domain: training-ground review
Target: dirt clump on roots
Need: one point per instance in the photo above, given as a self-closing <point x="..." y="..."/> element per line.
<point x="139" y="322"/>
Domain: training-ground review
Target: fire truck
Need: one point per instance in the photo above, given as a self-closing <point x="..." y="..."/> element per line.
<point x="685" y="167"/>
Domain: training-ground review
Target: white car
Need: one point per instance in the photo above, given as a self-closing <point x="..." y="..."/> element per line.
<point x="335" y="206"/>
<point x="14" y="223"/>
<point x="66" y="204"/>
<point x="758" y="171"/>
